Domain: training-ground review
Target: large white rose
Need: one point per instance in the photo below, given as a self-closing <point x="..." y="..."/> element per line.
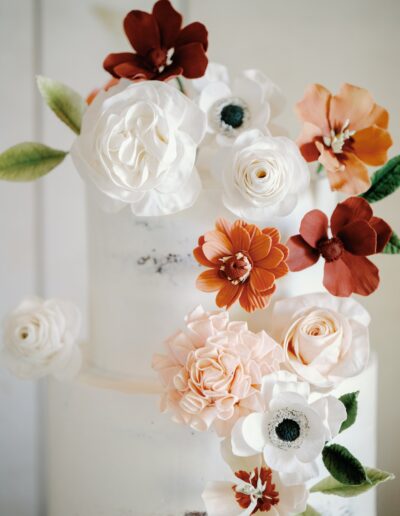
<point x="138" y="145"/>
<point x="325" y="338"/>
<point x="262" y="175"/>
<point x="40" y="338"/>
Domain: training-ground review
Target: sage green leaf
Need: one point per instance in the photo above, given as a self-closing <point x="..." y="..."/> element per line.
<point x="331" y="486"/>
<point x="384" y="181"/>
<point x="393" y="246"/>
<point x="68" y="105"/>
<point x="350" y="402"/>
<point x="28" y="161"/>
<point x="343" y="466"/>
<point x="310" y="511"/>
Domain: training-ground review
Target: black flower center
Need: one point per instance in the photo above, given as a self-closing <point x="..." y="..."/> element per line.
<point x="233" y="115"/>
<point x="288" y="430"/>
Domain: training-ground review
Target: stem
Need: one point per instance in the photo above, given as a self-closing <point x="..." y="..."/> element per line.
<point x="180" y="85"/>
<point x="320" y="168"/>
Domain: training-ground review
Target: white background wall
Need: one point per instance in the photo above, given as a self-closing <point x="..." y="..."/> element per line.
<point x="42" y="225"/>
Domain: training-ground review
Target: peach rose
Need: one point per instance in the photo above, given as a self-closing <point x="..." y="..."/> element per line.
<point x="212" y="372"/>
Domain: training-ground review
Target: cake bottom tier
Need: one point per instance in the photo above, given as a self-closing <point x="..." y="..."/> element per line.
<point x="114" y="454"/>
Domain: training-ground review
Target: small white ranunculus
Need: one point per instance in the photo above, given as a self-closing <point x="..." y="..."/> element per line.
<point x="40" y="338"/>
<point x="325" y="338"/>
<point x="138" y="145"/>
<point x="262" y="176"/>
<point x="291" y="433"/>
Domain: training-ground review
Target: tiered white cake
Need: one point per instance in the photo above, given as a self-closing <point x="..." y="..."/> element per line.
<point x="112" y="452"/>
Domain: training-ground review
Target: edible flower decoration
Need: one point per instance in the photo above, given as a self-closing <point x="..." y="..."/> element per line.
<point x="243" y="263"/>
<point x="163" y="48"/>
<point x="354" y="234"/>
<point x="344" y="132"/>
<point x="213" y="370"/>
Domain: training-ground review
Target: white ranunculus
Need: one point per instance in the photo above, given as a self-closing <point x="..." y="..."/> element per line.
<point x="262" y="176"/>
<point x="138" y="145"/>
<point x="40" y="338"/>
<point x="291" y="433"/>
<point x="325" y="338"/>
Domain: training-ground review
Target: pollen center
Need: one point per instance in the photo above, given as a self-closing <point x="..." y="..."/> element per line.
<point x="331" y="249"/>
<point x="233" y="115"/>
<point x="236" y="268"/>
<point x="288" y="430"/>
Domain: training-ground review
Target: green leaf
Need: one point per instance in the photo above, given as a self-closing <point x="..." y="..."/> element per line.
<point x="320" y="168"/>
<point x="384" y="181"/>
<point x="331" y="486"/>
<point x="350" y="402"/>
<point x="310" y="511"/>
<point x="28" y="161"/>
<point x="342" y="465"/>
<point x="393" y="246"/>
<point x="68" y="105"/>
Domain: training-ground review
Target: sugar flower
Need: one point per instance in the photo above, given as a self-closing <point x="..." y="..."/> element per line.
<point x="255" y="489"/>
<point x="355" y="234"/>
<point x="163" y="48"/>
<point x="290" y="432"/>
<point x="248" y="103"/>
<point x="344" y="132"/>
<point x="138" y="145"/>
<point x="243" y="263"/>
<point x="325" y="338"/>
<point x="262" y="176"/>
<point x="213" y="370"/>
<point x="40" y="338"/>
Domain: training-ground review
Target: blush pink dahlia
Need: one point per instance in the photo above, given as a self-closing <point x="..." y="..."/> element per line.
<point x="212" y="371"/>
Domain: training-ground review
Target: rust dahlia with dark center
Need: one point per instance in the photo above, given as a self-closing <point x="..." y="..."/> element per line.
<point x="243" y="263"/>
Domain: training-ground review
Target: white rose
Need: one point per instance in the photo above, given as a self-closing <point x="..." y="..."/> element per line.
<point x="325" y="338"/>
<point x="262" y="176"/>
<point x="138" y="145"/>
<point x="39" y="338"/>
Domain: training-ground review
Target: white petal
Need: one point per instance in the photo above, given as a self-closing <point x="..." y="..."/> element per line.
<point x="302" y="472"/>
<point x="219" y="499"/>
<point x="237" y="463"/>
<point x="332" y="413"/>
<point x="247" y="435"/>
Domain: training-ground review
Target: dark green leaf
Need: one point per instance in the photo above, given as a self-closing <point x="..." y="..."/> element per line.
<point x="331" y="486"/>
<point x="28" y="161"/>
<point x="342" y="465"/>
<point x="350" y="402"/>
<point x="68" y="105"/>
<point x="393" y="246"/>
<point x="384" y="181"/>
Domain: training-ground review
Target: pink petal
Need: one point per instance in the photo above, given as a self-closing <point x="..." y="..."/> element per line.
<point x="301" y="255"/>
<point x="364" y="273"/>
<point x="314" y="227"/>
<point x="338" y="278"/>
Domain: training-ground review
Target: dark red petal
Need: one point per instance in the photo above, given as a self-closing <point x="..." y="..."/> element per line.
<point x="309" y="151"/>
<point x="142" y="31"/>
<point x="133" y="72"/>
<point x="169" y="22"/>
<point x="170" y="72"/>
<point x="113" y="60"/>
<point x="351" y="209"/>
<point x="359" y="238"/>
<point x="314" y="227"/>
<point x="383" y="231"/>
<point x="338" y="278"/>
<point x="301" y="255"/>
<point x="192" y="59"/>
<point x="364" y="273"/>
<point x="193" y="33"/>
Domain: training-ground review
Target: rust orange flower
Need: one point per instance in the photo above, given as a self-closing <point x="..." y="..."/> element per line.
<point x="344" y="132"/>
<point x="243" y="263"/>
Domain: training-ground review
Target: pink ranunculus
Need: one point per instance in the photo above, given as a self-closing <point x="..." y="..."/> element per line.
<point x="212" y="371"/>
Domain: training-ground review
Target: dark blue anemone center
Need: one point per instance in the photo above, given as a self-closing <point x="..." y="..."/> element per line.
<point x="232" y="115"/>
<point x="288" y="430"/>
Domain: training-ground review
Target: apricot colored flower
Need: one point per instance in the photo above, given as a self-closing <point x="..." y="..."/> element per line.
<point x="355" y="234"/>
<point x="243" y="263"/>
<point x="212" y="371"/>
<point x="344" y="132"/>
<point x="163" y="48"/>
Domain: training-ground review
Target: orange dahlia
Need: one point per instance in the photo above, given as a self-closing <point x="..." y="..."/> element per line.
<point x="243" y="263"/>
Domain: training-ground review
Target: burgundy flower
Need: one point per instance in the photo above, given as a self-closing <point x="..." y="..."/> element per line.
<point x="355" y="234"/>
<point x="163" y="49"/>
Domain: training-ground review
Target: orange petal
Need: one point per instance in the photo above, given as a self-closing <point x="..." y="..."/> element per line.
<point x="354" y="104"/>
<point x="260" y="247"/>
<point x="281" y="270"/>
<point x="224" y="226"/>
<point x="250" y="301"/>
<point x="199" y="256"/>
<point x="284" y="250"/>
<point x="228" y="295"/>
<point x="240" y="238"/>
<point x="314" y="107"/>
<point x="328" y="158"/>
<point x="210" y="281"/>
<point x="261" y="280"/>
<point x="274" y="234"/>
<point x="371" y="145"/>
<point x="380" y="117"/>
<point x="271" y="261"/>
<point x="306" y="141"/>
<point x="353" y="179"/>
